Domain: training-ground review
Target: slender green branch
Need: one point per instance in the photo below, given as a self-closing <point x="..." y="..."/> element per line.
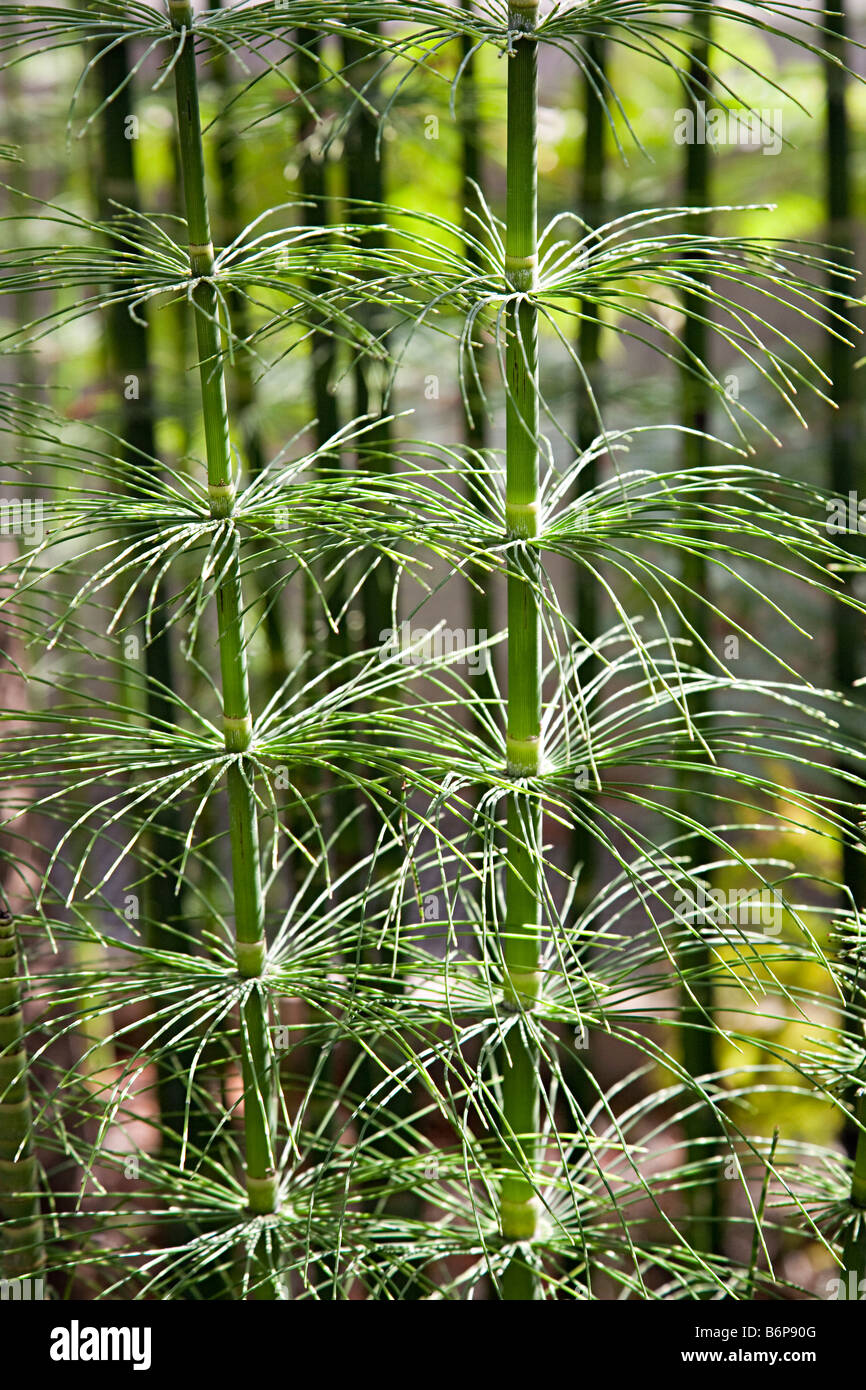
<point x="229" y="224"/>
<point x="243" y="823"/>
<point x="518" y="1212"/>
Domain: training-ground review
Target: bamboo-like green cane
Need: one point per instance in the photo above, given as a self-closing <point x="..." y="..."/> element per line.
<point x="22" y="1240"/>
<point x="229" y="223"/>
<point x="518" y="1214"/>
<point x="243" y="825"/>
<point x="699" y="1052"/>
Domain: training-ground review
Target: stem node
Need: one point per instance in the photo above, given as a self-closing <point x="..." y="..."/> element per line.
<point x="522" y="989"/>
<point x="262" y="1194"/>
<point x="250" y="957"/>
<point x="519" y="1220"/>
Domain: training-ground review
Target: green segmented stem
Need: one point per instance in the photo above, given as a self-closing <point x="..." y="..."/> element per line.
<point x="243" y="822"/>
<point x="243" y="400"/>
<point x="22" y="1248"/>
<point x="523" y="887"/>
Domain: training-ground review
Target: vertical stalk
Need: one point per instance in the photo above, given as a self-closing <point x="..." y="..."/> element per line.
<point x="179" y="327"/>
<point x="365" y="180"/>
<point x="844" y="423"/>
<point x="523" y="734"/>
<point x="843" y="420"/>
<point x="591" y="204"/>
<point x="591" y="201"/>
<point x="322" y="376"/>
<point x="244" y="394"/>
<point x="243" y="825"/>
<point x="471" y="146"/>
<point x="314" y="186"/>
<point x="323" y="347"/>
<point x="475" y="435"/>
<point x="129" y="356"/>
<point x="696" y="1013"/>
<point x="22" y="1251"/>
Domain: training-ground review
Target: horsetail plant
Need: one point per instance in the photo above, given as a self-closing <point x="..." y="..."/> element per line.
<point x="435" y="1125"/>
<point x="250" y="944"/>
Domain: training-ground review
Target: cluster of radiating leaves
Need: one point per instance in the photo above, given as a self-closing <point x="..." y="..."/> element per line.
<point x="395" y="1199"/>
<point x="419" y="995"/>
<point x="265" y="34"/>
<point x="628" y="269"/>
<point x="404" y="1000"/>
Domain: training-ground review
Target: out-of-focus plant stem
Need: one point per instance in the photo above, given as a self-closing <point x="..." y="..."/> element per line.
<point x="591" y="201"/>
<point x="520" y="1084"/>
<point x="698" y="1002"/>
<point x="130" y="366"/>
<point x="845" y="423"/>
<point x="475" y="417"/>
